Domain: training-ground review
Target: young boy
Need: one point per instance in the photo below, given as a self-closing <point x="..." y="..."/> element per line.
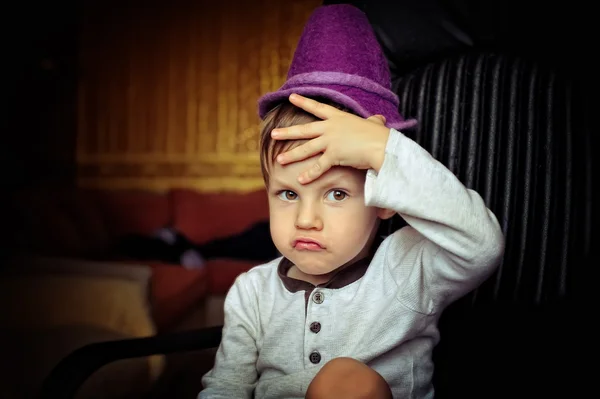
<point x="342" y="313"/>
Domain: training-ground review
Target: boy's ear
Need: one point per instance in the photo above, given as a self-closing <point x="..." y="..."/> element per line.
<point x="385" y="214"/>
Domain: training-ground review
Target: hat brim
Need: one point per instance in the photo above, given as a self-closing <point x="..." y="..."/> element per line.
<point x="343" y="95"/>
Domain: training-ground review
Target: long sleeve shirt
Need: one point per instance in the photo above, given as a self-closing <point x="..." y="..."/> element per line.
<point x="279" y="332"/>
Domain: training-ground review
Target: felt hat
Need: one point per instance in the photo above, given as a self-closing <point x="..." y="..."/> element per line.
<point x="339" y="58"/>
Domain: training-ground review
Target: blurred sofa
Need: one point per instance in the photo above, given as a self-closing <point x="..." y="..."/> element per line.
<point x="89" y="224"/>
<point x="51" y="306"/>
<point x="65" y="283"/>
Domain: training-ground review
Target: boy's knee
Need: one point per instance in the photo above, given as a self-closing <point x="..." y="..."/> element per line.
<point x="348" y="378"/>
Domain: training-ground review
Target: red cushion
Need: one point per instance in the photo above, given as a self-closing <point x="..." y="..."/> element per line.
<point x="223" y="272"/>
<point x="134" y="212"/>
<point x="205" y="216"/>
<point x="44" y="228"/>
<point x="175" y="290"/>
<point x="53" y="232"/>
<point x="82" y="208"/>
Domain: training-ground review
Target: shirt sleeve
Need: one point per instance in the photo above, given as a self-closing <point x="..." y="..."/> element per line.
<point x="453" y="241"/>
<point x="234" y="374"/>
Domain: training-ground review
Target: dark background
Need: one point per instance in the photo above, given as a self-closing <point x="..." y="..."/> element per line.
<point x="39" y="77"/>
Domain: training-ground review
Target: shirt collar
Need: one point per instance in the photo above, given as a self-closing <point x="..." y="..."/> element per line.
<point x="344" y="277"/>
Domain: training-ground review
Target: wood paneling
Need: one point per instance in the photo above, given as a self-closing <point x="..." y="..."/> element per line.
<point x="168" y="93"/>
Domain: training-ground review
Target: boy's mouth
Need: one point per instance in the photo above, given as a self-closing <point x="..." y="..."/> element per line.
<point x="307" y="244"/>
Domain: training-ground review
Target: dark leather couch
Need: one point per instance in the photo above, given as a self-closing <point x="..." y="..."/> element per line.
<point x="506" y="103"/>
<point x="504" y="92"/>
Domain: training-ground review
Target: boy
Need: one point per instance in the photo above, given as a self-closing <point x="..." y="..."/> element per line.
<point x="343" y="314"/>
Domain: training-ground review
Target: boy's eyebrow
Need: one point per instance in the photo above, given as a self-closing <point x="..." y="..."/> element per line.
<point x="281" y="183"/>
<point x="321" y="182"/>
<point x="332" y="180"/>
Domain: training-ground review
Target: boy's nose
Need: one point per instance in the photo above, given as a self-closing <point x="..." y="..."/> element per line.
<point x="308" y="218"/>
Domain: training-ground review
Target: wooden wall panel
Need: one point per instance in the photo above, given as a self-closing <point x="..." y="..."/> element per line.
<point x="168" y="93"/>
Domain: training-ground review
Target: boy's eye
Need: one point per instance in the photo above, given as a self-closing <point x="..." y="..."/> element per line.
<point x="287" y="195"/>
<point x="336" y="195"/>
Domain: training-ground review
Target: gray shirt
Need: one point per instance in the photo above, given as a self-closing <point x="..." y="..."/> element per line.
<point x="278" y="334"/>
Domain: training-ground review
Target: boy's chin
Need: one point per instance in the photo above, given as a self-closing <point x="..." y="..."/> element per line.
<point x="313" y="268"/>
<point x="316" y="273"/>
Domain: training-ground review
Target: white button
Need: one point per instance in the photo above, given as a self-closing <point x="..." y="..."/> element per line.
<point x="318" y="297"/>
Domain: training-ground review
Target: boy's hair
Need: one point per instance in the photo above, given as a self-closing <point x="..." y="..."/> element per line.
<point x="283" y="115"/>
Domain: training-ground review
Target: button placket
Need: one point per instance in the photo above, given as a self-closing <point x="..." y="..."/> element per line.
<point x="316" y="314"/>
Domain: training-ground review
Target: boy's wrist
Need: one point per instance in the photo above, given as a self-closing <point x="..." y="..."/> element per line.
<point x="378" y="151"/>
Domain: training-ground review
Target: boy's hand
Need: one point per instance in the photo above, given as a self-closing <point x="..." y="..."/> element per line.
<point x="344" y="139"/>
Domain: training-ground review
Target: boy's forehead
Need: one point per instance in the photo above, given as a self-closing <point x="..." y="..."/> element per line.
<point x="288" y="174"/>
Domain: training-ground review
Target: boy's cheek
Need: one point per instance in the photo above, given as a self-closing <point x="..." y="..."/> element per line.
<point x="280" y="237"/>
<point x="278" y="226"/>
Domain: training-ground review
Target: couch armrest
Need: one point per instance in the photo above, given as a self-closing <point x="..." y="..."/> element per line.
<point x="66" y="378"/>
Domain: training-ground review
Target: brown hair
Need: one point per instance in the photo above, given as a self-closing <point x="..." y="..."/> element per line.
<point x="283" y="115"/>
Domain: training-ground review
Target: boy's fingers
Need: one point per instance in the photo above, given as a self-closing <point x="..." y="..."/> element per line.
<point x="306" y="150"/>
<point x="323" y="165"/>
<point x="379" y="119"/>
<point x="320" y="110"/>
<point x="299" y="132"/>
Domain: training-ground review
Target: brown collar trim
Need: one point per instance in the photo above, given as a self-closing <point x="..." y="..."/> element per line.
<point x="344" y="277"/>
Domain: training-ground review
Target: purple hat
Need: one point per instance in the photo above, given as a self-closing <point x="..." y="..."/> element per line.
<point x="339" y="58"/>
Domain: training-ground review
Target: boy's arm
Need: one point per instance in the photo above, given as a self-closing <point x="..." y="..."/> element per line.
<point x="453" y="236"/>
<point x="454" y="242"/>
<point x="234" y="374"/>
